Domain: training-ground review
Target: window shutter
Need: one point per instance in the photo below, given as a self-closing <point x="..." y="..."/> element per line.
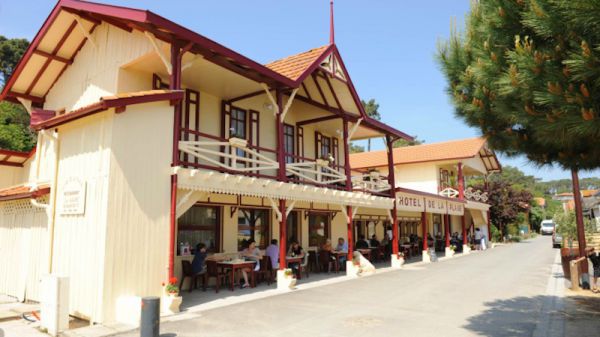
<point x="300" y="142"/>
<point x="192" y="112"/>
<point x="336" y="152"/>
<point x="318" y="141"/>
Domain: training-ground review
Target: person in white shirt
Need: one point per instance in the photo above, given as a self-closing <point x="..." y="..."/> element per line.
<point x="478" y="237"/>
<point x="273" y="252"/>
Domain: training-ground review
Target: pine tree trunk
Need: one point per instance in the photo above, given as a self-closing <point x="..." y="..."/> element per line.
<point x="579" y="217"/>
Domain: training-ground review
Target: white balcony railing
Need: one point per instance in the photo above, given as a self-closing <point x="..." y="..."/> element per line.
<point x="470" y="194"/>
<point x="236" y="155"/>
<point x="371" y="182"/>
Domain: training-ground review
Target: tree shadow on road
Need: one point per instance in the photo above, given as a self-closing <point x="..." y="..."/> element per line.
<point x="520" y="316"/>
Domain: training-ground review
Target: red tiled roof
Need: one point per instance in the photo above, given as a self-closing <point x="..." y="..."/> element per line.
<point x="23" y="192"/>
<point x="294" y="66"/>
<point x="455" y="149"/>
<point x="14" y="158"/>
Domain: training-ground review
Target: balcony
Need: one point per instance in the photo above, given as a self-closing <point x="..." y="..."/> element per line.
<point x="371" y="182"/>
<point x="236" y="156"/>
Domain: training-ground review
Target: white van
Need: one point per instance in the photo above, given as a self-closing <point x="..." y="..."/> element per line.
<point x="547" y="227"/>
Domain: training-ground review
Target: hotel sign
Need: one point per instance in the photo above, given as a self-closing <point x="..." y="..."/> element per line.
<point x="409" y="202"/>
<point x="73" y="197"/>
<point x="456" y="208"/>
<point x="435" y="205"/>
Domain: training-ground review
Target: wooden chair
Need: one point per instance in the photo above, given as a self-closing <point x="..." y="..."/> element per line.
<point x="304" y="264"/>
<point x="325" y="261"/>
<point x="212" y="270"/>
<point x="266" y="270"/>
<point x="186" y="267"/>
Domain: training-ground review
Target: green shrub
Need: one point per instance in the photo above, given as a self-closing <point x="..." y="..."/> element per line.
<point x="496" y="234"/>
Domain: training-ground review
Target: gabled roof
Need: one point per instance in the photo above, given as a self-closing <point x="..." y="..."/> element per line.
<point x="450" y="150"/>
<point x="293" y="67"/>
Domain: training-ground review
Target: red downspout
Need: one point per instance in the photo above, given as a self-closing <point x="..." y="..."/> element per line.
<point x="579" y="218"/>
<point x="282" y="235"/>
<point x="348" y="188"/>
<point x="175" y="84"/>
<point x="392" y="182"/>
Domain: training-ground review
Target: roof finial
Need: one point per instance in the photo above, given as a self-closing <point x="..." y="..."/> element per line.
<point x="331" y="30"/>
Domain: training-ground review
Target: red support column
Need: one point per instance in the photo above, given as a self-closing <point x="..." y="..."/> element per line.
<point x="175" y="84"/>
<point x="579" y="218"/>
<point x="489" y="225"/>
<point x="424" y="229"/>
<point x="395" y="231"/>
<point x="464" y="229"/>
<point x="392" y="181"/>
<point x="350" y="233"/>
<point x="447" y="229"/>
<point x="461" y="182"/>
<point x="282" y="235"/>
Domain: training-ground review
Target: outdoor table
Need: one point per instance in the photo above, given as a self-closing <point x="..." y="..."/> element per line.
<point x="295" y="259"/>
<point x="238" y="265"/>
<point x="408" y="249"/>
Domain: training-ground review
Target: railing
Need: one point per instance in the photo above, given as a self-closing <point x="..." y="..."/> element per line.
<point x="236" y="156"/>
<point x="370" y="182"/>
<point x="470" y="194"/>
<point x="476" y="195"/>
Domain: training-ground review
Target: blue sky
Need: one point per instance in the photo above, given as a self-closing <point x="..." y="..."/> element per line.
<point x="388" y="47"/>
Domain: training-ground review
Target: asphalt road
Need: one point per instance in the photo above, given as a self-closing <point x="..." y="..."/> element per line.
<point x="499" y="292"/>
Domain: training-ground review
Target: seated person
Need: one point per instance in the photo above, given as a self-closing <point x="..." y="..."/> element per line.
<point x="374" y="242"/>
<point x="198" y="263"/>
<point x="342" y="247"/>
<point x="429" y="240"/>
<point x="362" y="243"/>
<point x="295" y="251"/>
<point x="387" y="244"/>
<point x="326" y="247"/>
<point x="325" y="256"/>
<point x="251" y="253"/>
<point x="273" y="253"/>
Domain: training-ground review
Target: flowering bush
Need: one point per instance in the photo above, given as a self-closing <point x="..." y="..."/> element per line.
<point x="171" y="287"/>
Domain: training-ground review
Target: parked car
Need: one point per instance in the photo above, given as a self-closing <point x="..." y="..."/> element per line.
<point x="557" y="240"/>
<point x="547" y="227"/>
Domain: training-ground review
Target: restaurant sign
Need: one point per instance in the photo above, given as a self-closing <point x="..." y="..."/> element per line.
<point x="73" y="197"/>
<point x="410" y="202"/>
<point x="456" y="208"/>
<point x="435" y="205"/>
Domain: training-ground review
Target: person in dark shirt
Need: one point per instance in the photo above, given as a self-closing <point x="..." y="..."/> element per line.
<point x="374" y="242"/>
<point x="199" y="259"/>
<point x="295" y="251"/>
<point x="362" y="243"/>
<point x="595" y="258"/>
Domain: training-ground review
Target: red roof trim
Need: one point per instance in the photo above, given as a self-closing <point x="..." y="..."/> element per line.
<point x="16" y="153"/>
<point x="105" y="105"/>
<point x="26" y="195"/>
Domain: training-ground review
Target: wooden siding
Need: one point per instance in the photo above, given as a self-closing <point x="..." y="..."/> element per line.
<point x="23" y="239"/>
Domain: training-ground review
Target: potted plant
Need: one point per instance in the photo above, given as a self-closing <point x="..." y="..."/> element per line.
<point x="171" y="301"/>
<point x="289" y="279"/>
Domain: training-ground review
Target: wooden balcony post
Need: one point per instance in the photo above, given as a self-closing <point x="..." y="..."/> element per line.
<point x="489" y="226"/>
<point x="461" y="182"/>
<point x="282" y="235"/>
<point x="463" y="221"/>
<point x="347" y="157"/>
<point x="281" y="176"/>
